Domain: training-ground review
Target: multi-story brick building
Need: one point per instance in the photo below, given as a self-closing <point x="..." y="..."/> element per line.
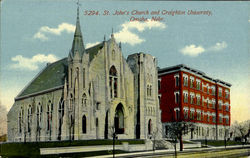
<point x="187" y="94"/>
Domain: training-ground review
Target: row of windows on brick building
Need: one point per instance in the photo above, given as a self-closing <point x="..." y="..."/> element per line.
<point x="191" y="115"/>
<point x="198" y="86"/>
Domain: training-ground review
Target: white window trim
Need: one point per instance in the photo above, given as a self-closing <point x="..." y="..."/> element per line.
<point x="177" y="108"/>
<point x="185" y="75"/>
<point x="177" y="75"/>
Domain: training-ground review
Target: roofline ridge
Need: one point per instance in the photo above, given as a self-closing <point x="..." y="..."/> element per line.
<point x="93" y="46"/>
<point x="203" y="74"/>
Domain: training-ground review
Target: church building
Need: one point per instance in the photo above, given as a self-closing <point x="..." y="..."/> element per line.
<point x="89" y="95"/>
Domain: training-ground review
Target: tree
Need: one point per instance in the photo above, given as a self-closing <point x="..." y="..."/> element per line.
<point x="3" y="120"/>
<point x="241" y="131"/>
<point x="226" y="135"/>
<point x="177" y="129"/>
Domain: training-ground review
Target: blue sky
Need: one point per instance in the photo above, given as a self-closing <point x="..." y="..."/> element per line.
<point x="36" y="32"/>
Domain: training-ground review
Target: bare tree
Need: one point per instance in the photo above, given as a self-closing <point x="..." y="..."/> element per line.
<point x="176" y="130"/>
<point x="241" y="131"/>
<point x="226" y="135"/>
<point x="3" y="120"/>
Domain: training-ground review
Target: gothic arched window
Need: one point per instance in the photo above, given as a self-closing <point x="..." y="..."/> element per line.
<point x="84" y="124"/>
<point x="113" y="82"/>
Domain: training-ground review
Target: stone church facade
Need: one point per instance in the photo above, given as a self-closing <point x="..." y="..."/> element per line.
<point x="89" y="95"/>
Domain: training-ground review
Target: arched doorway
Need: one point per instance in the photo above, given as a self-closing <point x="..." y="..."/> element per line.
<point x="119" y="119"/>
<point x="84" y="124"/>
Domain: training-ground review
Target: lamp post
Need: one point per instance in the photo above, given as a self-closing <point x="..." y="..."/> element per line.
<point x="114" y="138"/>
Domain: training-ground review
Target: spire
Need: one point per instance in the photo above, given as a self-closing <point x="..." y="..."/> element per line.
<point x="77" y="45"/>
<point x="112" y="34"/>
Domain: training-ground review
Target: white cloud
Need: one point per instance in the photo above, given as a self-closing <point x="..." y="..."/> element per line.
<point x="192" y="50"/>
<point x="218" y="46"/>
<point x="125" y="35"/>
<point x="63" y="27"/>
<point x="88" y="45"/>
<point x="31" y="63"/>
<point x="40" y="36"/>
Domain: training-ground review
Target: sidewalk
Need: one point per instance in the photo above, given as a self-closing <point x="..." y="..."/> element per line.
<point x="170" y="151"/>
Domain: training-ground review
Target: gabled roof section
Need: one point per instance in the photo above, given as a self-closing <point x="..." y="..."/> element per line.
<point x="53" y="75"/>
<point x="93" y="51"/>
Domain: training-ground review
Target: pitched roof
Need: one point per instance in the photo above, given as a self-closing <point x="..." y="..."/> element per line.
<point x="53" y="75"/>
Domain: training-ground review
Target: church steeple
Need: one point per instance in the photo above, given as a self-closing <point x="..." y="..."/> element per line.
<point x="77" y="45"/>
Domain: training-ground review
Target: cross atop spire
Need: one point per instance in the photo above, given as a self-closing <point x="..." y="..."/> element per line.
<point x="78" y="5"/>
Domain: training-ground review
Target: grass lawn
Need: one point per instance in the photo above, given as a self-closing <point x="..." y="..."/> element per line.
<point x="32" y="149"/>
<point x="219" y="142"/>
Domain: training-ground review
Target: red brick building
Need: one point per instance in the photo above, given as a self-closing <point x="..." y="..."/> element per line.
<point x="187" y="94"/>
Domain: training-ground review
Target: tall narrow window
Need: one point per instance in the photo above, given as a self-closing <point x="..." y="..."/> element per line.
<point x="71" y="77"/>
<point x="83" y="77"/>
<point x="84" y="124"/>
<point x="177" y="81"/>
<point x="84" y="100"/>
<point x="71" y="102"/>
<point x="20" y="121"/>
<point x="49" y="116"/>
<point x="220" y="92"/>
<point x="60" y="115"/>
<point x="186" y="113"/>
<point x="150" y="90"/>
<point x="29" y="118"/>
<point x="185" y="79"/>
<point x="185" y="97"/>
<point x="198" y="100"/>
<point x="191" y="99"/>
<point x="149" y="126"/>
<point x="191" y="82"/>
<point x="96" y="122"/>
<point x="177" y="114"/>
<point x="159" y="84"/>
<point x="147" y="90"/>
<point x="177" y="98"/>
<point x="113" y="82"/>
